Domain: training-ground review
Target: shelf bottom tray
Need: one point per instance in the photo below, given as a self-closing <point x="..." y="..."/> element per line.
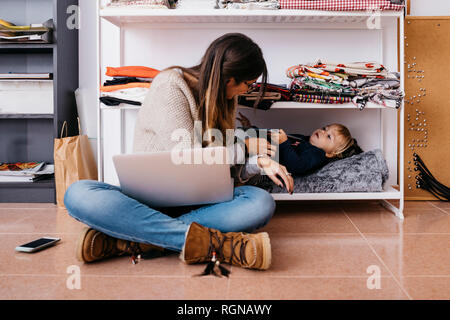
<point x="389" y="193"/>
<point x="28" y="192"/>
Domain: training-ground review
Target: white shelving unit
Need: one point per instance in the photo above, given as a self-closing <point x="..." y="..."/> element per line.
<point x="128" y="16"/>
<point x="160" y="38"/>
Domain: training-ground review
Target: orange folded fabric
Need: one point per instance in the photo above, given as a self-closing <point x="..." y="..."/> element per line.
<point x="132" y="71"/>
<point x="125" y="86"/>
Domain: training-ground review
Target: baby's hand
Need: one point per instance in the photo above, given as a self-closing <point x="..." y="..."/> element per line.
<point x="280" y="136"/>
<point x="244" y="121"/>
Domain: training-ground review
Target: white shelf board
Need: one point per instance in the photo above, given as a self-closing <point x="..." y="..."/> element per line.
<point x="121" y="106"/>
<point x="26" y="80"/>
<point x="389" y="193"/>
<point x="123" y="16"/>
<point x="304" y="105"/>
<point x="277" y="105"/>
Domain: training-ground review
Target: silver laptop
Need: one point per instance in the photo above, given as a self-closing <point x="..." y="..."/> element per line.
<point x="189" y="177"/>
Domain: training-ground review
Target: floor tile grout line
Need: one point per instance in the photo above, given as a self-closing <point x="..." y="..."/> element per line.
<point x="276" y="233"/>
<point x="314" y="233"/>
<point x="340" y="276"/>
<point x="210" y="277"/>
<point x="37" y="233"/>
<point x="438" y="208"/>
<point x="29" y="209"/>
<point x="181" y="277"/>
<point x="49" y="207"/>
<point x="310" y="277"/>
<point x="426" y="276"/>
<point x="409" y="233"/>
<point x="351" y="222"/>
<point x="355" y="233"/>
<point x="272" y="233"/>
<point x="379" y="258"/>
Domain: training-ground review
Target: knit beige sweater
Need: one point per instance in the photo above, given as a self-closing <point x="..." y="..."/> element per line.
<point x="169" y="106"/>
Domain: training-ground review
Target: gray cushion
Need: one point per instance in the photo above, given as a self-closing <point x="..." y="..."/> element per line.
<point x="365" y="172"/>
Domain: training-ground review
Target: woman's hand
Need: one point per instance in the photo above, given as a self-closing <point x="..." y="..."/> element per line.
<point x="274" y="171"/>
<point x="244" y="121"/>
<point x="280" y="136"/>
<point x="260" y="146"/>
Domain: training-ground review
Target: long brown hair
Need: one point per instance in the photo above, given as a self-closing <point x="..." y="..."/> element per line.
<point x="233" y="55"/>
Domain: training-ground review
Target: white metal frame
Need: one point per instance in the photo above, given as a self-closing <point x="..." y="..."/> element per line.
<point x="160" y="18"/>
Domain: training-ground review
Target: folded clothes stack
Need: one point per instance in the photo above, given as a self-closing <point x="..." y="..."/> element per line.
<point x="147" y="4"/>
<point x="129" y="85"/>
<point x="249" y="4"/>
<point x="358" y="82"/>
<point x="317" y="98"/>
<point x="326" y="5"/>
<point x="343" y="5"/>
<point x="273" y="93"/>
<point x="196" y="4"/>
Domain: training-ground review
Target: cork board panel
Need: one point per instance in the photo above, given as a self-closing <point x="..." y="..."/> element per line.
<point x="427" y="100"/>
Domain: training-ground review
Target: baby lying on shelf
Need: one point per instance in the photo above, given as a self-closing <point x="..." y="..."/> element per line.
<point x="302" y="155"/>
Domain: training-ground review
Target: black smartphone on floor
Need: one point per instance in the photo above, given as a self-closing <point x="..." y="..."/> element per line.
<point x="38" y="244"/>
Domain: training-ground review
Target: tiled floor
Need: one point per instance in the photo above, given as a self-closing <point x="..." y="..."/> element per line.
<point x="332" y="250"/>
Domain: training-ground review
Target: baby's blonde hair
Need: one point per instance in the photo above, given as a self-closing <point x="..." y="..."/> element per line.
<point x="349" y="147"/>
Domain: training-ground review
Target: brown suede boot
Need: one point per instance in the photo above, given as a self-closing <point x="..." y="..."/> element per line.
<point x="94" y="245"/>
<point x="246" y="250"/>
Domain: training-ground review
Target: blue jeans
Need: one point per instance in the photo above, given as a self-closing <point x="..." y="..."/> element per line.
<point x="105" y="208"/>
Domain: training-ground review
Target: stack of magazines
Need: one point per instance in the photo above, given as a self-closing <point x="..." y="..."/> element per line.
<point x="26" y="171"/>
<point x="34" y="33"/>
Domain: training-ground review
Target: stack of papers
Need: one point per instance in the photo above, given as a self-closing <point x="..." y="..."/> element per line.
<point x="34" y="33"/>
<point x="25" y="171"/>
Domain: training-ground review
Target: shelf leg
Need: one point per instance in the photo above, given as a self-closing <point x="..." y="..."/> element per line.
<point x="397" y="211"/>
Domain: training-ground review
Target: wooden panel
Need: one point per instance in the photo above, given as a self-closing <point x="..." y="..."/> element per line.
<point x="427" y="106"/>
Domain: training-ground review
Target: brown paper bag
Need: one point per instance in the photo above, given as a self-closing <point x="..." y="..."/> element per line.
<point x="74" y="160"/>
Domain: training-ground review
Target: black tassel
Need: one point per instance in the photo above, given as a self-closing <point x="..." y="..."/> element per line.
<point x="135" y="258"/>
<point x="224" y="271"/>
<point x="209" y="269"/>
<point x="213" y="267"/>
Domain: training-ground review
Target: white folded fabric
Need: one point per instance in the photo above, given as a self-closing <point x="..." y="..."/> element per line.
<point x="132" y="94"/>
<point x="155" y="4"/>
<point x="196" y="4"/>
